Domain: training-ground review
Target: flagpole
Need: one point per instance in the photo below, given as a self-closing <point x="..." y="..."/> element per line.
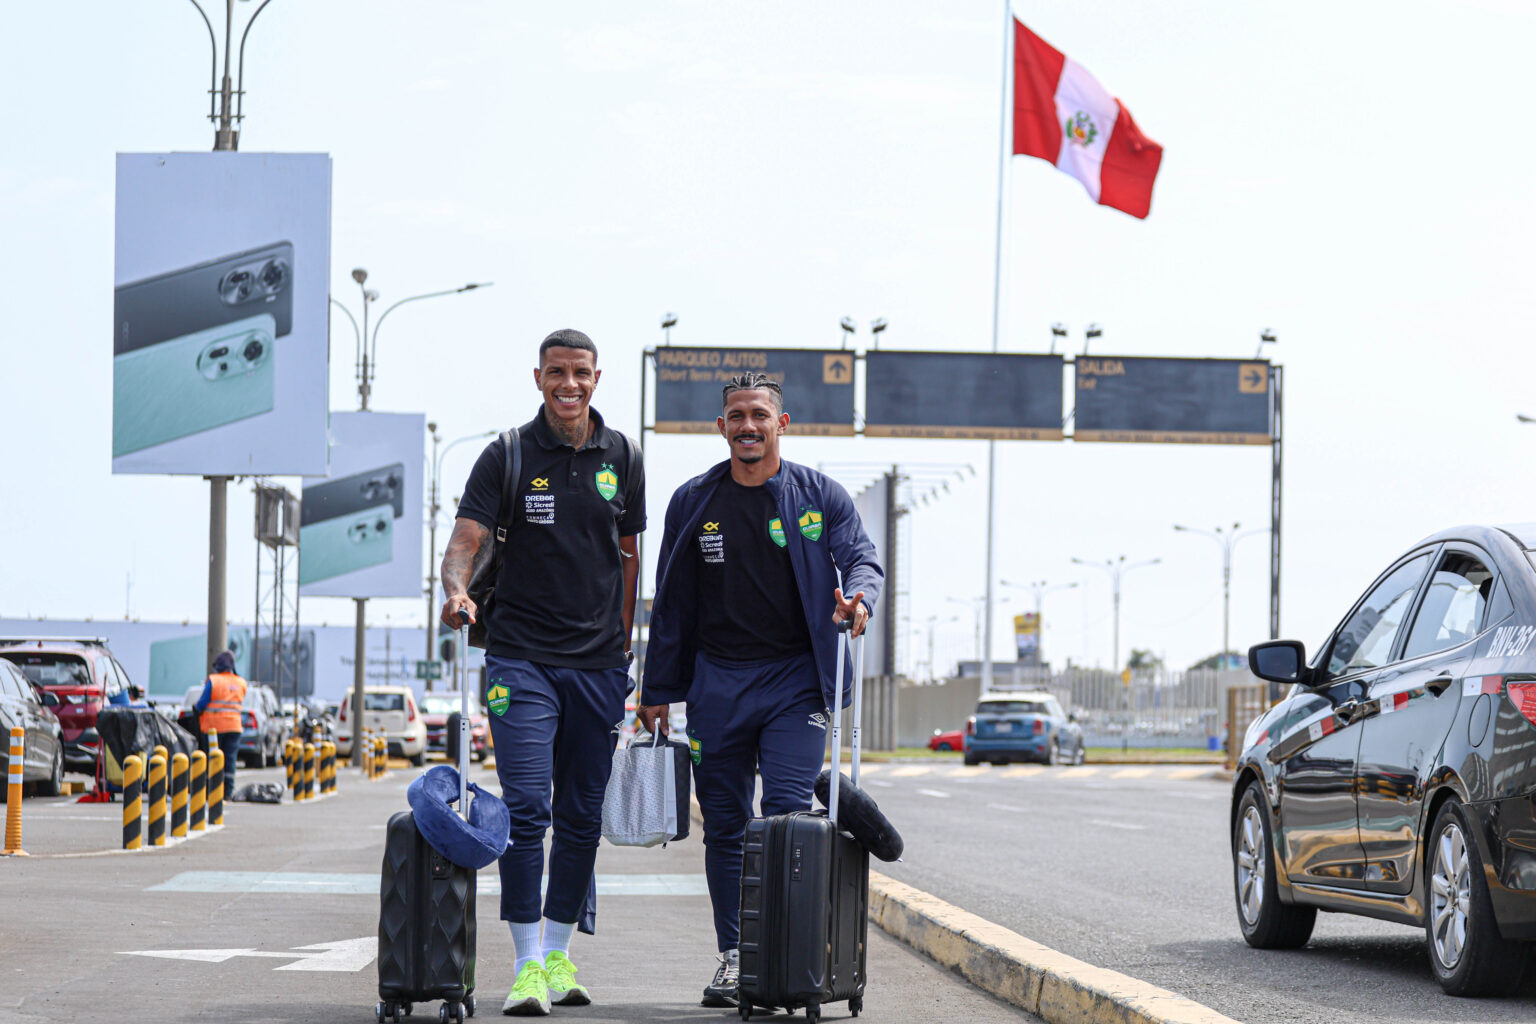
<point x="1005" y="147"/>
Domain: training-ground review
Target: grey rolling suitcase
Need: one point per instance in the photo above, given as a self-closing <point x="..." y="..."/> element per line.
<point x="805" y="897"/>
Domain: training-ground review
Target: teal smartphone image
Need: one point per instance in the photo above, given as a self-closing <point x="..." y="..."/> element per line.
<point x="346" y="543"/>
<point x="180" y="663"/>
<point x="192" y="383"/>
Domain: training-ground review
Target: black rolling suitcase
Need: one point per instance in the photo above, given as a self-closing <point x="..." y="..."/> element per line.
<point x="805" y="899"/>
<point x="427" y="912"/>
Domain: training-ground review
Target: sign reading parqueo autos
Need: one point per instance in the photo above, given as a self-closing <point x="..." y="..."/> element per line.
<point x="818" y="387"/>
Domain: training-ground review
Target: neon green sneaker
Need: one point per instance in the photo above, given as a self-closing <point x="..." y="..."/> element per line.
<point x="530" y="995"/>
<point x="561" y="974"/>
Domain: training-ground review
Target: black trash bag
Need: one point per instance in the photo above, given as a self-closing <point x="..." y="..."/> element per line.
<point x="128" y="730"/>
<point x="258" y="793"/>
<point x="860" y="815"/>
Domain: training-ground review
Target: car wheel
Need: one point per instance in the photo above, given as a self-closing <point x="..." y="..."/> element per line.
<point x="1053" y="756"/>
<point x="943" y="746"/>
<point x="53" y="785"/>
<point x="1468" y="955"/>
<point x="1082" y="753"/>
<point x="1266" y="922"/>
<point x="419" y="758"/>
<point x="971" y="758"/>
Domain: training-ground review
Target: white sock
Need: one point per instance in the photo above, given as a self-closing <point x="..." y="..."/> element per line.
<point x="557" y="936"/>
<point x="525" y="944"/>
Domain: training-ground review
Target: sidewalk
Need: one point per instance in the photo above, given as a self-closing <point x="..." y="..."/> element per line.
<point x="229" y="915"/>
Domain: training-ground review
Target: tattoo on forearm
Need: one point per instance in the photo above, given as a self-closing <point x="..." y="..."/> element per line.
<point x="468" y="551"/>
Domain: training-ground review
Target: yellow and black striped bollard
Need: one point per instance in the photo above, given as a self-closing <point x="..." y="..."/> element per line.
<point x="328" y="759"/>
<point x="215" y="786"/>
<point x="13" y="795"/>
<point x="157" y="798"/>
<point x="179" y="764"/>
<point x="291" y="760"/>
<point x="366" y="739"/>
<point x="197" y="788"/>
<point x="381" y="754"/>
<point x="133" y="802"/>
<point x="309" y="771"/>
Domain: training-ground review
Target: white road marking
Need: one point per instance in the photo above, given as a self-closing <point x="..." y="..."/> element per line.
<point x="1132" y="773"/>
<point x="934" y="792"/>
<point x="1118" y="824"/>
<point x="348" y="955"/>
<point x="1009" y="807"/>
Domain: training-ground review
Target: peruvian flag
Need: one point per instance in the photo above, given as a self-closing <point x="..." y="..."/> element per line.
<point x="1062" y="114"/>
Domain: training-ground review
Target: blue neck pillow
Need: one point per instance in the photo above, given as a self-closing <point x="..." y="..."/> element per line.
<point x="469" y="844"/>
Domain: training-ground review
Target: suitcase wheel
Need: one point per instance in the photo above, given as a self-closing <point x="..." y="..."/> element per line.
<point x="856" y="1004"/>
<point x="812" y="1013"/>
<point x="451" y="1013"/>
<point x="744" y="1009"/>
<point x="469" y="1006"/>
<point x="390" y="1011"/>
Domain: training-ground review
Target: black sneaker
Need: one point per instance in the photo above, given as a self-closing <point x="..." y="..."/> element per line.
<point x="722" y="991"/>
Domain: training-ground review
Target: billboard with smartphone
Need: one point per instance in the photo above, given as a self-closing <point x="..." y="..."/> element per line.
<point x="360" y="528"/>
<point x="219" y="347"/>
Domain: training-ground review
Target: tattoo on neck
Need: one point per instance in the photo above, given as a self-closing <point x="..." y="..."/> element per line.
<point x="573" y="434"/>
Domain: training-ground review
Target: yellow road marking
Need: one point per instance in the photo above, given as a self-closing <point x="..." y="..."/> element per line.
<point x="1132" y="773"/>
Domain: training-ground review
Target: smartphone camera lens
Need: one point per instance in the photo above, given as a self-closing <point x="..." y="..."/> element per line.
<point x="223" y="367"/>
<point x="381" y="526"/>
<point x="274" y="275"/>
<point x="219" y="353"/>
<point x="236" y="286"/>
<point x="253" y="351"/>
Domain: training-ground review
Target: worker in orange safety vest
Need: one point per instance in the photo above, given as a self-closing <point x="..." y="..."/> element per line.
<point x="222" y="700"/>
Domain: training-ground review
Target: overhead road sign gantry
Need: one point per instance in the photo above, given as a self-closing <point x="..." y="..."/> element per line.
<point x="817" y="383"/>
<point x="986" y="396"/>
<point x="1172" y="401"/>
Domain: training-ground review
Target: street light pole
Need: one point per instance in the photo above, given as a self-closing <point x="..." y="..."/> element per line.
<point x="1227" y="540"/>
<point x="1117" y="568"/>
<point x="369" y="343"/>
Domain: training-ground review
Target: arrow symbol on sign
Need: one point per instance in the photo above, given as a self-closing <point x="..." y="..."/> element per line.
<point x="347" y="955"/>
<point x="1255" y="378"/>
<point x="838" y="368"/>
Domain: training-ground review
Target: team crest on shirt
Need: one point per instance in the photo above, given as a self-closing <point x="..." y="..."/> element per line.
<point x="810" y="523"/>
<point x="776" y="531"/>
<point x="1080" y="129"/>
<point x="607" y="482"/>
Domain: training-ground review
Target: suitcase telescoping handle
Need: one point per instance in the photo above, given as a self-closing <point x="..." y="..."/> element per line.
<point x="843" y="642"/>
<point x="461" y="667"/>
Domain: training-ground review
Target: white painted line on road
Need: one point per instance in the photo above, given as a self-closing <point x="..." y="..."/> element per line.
<point x="1189" y="773"/>
<point x="1118" y="824"/>
<point x="966" y="771"/>
<point x="934" y="792"/>
<point x="348" y="955"/>
<point x="910" y="771"/>
<point x="1132" y="773"/>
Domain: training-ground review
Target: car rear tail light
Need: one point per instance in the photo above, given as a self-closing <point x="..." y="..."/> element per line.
<point x="341" y="712"/>
<point x="1523" y="697"/>
<point x="970" y="726"/>
<point x="249" y="718"/>
<point x="410" y="710"/>
<point x="1039" y="726"/>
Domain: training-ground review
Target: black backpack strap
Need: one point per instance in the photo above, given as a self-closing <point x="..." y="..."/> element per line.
<point x="632" y="467"/>
<point x="512" y="471"/>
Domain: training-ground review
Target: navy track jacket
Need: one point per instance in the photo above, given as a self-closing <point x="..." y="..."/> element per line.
<point x="810" y="506"/>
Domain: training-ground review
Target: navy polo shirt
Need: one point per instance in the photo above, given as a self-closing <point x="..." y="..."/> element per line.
<point x="560" y="595"/>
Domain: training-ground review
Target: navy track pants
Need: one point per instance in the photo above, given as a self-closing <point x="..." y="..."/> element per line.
<point x="558" y="731"/>
<point x="745" y="718"/>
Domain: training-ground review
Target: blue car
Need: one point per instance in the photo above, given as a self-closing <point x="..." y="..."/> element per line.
<point x="1023" y="727"/>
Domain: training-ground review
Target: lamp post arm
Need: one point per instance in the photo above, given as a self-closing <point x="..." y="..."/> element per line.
<point x="437" y="467"/>
<point x="356" y="331"/>
<point x="213" y="70"/>
<point x="373" y="342"/>
<point x="240" y="74"/>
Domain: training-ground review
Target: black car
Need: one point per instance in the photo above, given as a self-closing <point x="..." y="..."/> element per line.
<point x="29" y="708"/>
<point x="1398" y="778"/>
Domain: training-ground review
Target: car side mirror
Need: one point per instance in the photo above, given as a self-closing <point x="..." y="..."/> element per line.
<point x="1072" y="716"/>
<point x="1279" y="661"/>
<point x="50" y="699"/>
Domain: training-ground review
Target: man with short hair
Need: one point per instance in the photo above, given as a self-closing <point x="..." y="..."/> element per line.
<point x="744" y="629"/>
<point x="557" y="649"/>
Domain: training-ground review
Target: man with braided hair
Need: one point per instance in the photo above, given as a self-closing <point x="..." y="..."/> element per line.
<point x="755" y="563"/>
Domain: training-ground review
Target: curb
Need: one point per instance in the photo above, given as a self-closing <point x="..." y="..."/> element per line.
<point x="1056" y="987"/>
<point x="1035" y="978"/>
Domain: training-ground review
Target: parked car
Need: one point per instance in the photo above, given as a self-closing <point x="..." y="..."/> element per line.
<point x="1395" y="779"/>
<point x="435" y="711"/>
<point x="1022" y="727"/>
<point x="392" y="710"/>
<point x="82" y="673"/>
<point x="952" y="740"/>
<point x="28" y="707"/>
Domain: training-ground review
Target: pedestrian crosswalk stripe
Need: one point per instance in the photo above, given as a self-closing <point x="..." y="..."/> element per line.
<point x="1189" y="773"/>
<point x="1076" y="773"/>
<point x="968" y="770"/>
<point x="1132" y="773"/>
<point x="911" y="771"/>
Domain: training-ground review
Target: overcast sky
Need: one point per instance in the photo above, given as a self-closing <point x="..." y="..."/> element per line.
<point x="1343" y="173"/>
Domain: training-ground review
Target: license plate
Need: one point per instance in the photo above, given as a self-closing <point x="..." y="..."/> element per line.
<point x="1003" y="727"/>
